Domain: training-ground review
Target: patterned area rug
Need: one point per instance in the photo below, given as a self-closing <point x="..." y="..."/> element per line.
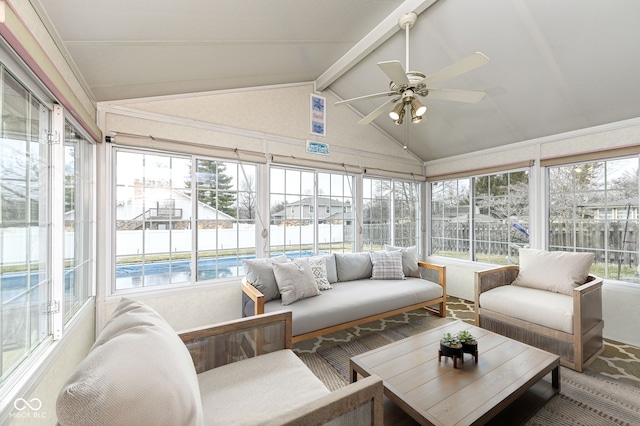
<point x="585" y="399"/>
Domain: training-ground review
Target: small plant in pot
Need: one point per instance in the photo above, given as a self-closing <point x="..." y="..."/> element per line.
<point x="450" y="346"/>
<point x="469" y="343"/>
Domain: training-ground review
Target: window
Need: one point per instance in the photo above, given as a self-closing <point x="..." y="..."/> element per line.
<point x="391" y="213"/>
<point x="25" y="224"/>
<point x="160" y="224"/>
<point x="78" y="220"/>
<point x="593" y="207"/>
<point x="294" y="192"/>
<point x="483" y="218"/>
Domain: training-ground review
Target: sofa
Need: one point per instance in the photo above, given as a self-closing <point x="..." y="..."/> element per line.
<point x="549" y="301"/>
<point x="332" y="292"/>
<point x="242" y="372"/>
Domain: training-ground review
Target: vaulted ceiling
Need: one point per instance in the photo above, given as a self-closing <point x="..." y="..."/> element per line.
<point x="555" y="66"/>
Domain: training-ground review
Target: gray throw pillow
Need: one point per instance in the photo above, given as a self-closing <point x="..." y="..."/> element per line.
<point x="409" y="260"/>
<point x="353" y="266"/>
<point x="259" y="272"/>
<point x="332" y="271"/>
<point x="319" y="270"/>
<point x="387" y="265"/>
<point x="295" y="280"/>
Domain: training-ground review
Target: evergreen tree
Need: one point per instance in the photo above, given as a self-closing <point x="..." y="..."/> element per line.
<point x="212" y="186"/>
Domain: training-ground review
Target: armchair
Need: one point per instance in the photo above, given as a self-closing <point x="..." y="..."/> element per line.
<point x="241" y="372"/>
<point x="567" y="325"/>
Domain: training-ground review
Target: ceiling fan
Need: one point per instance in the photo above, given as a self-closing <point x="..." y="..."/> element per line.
<point x="406" y="86"/>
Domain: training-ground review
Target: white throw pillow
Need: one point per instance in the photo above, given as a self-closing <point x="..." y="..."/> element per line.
<point x="295" y="280"/>
<point x="557" y="271"/>
<point x="387" y="265"/>
<point x="319" y="271"/>
<point x="409" y="260"/>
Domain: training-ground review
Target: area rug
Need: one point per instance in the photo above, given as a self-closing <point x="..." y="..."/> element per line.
<point x="584" y="399"/>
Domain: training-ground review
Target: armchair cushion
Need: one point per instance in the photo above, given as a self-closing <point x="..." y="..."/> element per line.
<point x="557" y="271"/>
<point x="112" y="385"/>
<point x="546" y="308"/>
<point x="254" y="380"/>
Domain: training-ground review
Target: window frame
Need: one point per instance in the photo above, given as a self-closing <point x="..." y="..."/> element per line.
<point x="472" y="241"/>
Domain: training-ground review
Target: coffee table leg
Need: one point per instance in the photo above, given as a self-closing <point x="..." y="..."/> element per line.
<point x="555" y="379"/>
<point x="354" y="374"/>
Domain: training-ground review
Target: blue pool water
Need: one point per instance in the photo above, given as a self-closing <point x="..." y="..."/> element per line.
<point x="156" y="273"/>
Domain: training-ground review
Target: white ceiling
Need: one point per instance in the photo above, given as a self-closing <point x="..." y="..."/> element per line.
<point x="556" y="66"/>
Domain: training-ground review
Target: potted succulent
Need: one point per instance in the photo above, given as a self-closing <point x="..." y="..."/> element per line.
<point x="469" y="343"/>
<point x="450" y="346"/>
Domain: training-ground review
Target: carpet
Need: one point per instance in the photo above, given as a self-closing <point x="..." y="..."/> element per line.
<point x="584" y="399"/>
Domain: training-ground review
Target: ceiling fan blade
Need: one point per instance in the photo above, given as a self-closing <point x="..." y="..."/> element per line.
<point x="468" y="96"/>
<point x="376" y="112"/>
<point x="469" y="63"/>
<point x="395" y="71"/>
<point x="363" y="98"/>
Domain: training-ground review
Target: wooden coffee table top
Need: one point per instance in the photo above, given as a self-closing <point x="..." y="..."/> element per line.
<point x="433" y="392"/>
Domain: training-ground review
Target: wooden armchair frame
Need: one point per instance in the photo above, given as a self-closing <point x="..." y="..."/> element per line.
<point x="576" y="350"/>
<point x="357" y="403"/>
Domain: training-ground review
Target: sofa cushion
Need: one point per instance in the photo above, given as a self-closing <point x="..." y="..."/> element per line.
<point x="250" y="391"/>
<point x="353" y="300"/>
<point x="387" y="265"/>
<point x="557" y="271"/>
<point x="409" y="260"/>
<point x="319" y="271"/>
<point x="542" y="307"/>
<point x="137" y="372"/>
<point x="353" y="266"/>
<point x="332" y="271"/>
<point x="295" y="280"/>
<point x="259" y="272"/>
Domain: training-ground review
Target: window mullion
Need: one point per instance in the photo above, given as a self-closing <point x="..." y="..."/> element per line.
<point x="56" y="308"/>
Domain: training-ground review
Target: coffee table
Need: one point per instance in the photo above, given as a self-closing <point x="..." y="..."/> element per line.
<point x="435" y="393"/>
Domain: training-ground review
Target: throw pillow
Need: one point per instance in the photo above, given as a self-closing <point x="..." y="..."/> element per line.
<point x="387" y="265"/>
<point x="332" y="271"/>
<point x="137" y="372"/>
<point x="319" y="270"/>
<point x="409" y="260"/>
<point x="557" y="271"/>
<point x="295" y="280"/>
<point x="259" y="272"/>
<point x="353" y="266"/>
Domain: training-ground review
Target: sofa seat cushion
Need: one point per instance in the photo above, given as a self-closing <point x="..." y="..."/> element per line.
<point x="353" y="300"/>
<point x="546" y="308"/>
<point x="252" y="390"/>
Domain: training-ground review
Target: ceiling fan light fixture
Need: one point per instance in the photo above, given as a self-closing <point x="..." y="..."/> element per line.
<point x="398" y="120"/>
<point x="397" y="112"/>
<point x="417" y="107"/>
<point x="416" y="118"/>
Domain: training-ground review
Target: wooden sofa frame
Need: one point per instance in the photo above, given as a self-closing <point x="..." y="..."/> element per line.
<point x="271" y="332"/>
<point x="427" y="271"/>
<point x="576" y="350"/>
